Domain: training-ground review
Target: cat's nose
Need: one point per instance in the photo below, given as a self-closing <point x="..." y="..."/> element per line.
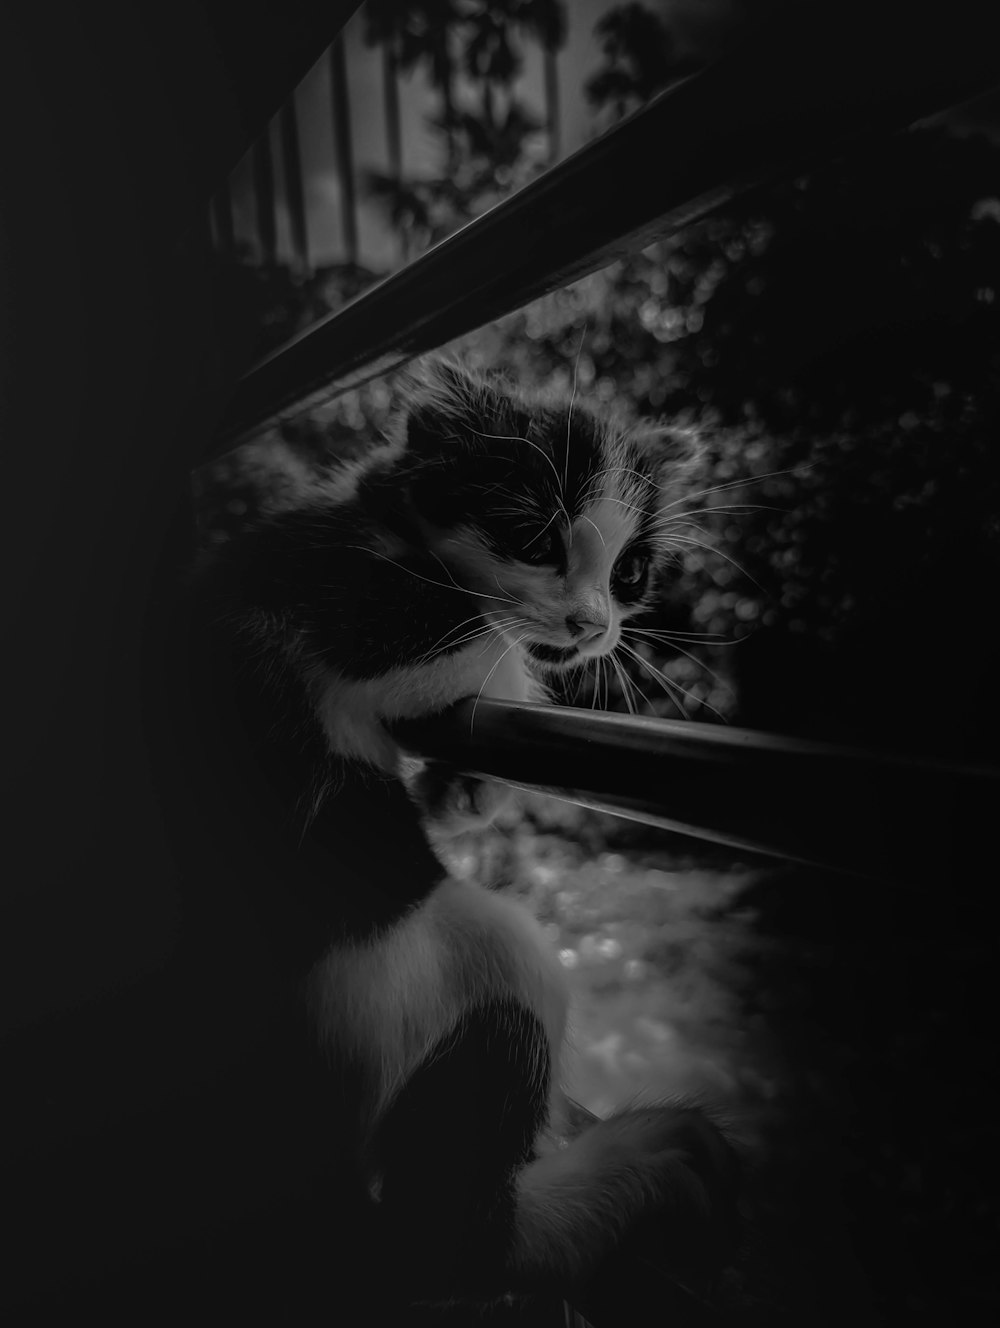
<point x="585" y="630"/>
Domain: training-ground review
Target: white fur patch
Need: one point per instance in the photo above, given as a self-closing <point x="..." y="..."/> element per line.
<point x="574" y="1205"/>
<point x="387" y="1003"/>
<point x="353" y="711"/>
<point x="600" y="536"/>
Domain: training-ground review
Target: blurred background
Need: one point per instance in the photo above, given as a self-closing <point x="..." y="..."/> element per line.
<point x="836" y="336"/>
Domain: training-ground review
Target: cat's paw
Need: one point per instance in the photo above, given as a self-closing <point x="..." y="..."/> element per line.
<point x="697" y="1225"/>
<point x="453" y="803"/>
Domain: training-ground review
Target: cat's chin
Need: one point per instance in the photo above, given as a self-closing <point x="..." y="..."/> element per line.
<point x="553" y="657"/>
<point x="557" y="658"/>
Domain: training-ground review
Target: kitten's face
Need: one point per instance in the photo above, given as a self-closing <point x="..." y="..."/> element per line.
<point x="553" y="516"/>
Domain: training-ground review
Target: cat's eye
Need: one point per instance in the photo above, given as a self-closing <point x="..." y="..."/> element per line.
<point x="630" y="576"/>
<point x="631" y="569"/>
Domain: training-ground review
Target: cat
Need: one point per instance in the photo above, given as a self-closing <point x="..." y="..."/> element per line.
<point x="495" y="539"/>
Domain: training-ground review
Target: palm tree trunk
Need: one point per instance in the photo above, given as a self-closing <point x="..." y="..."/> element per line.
<point x="342" y="146"/>
<point x="294" y="192"/>
<point x="263" y="184"/>
<point x="443" y="76"/>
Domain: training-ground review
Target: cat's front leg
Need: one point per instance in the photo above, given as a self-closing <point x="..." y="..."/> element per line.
<point x="453" y="803"/>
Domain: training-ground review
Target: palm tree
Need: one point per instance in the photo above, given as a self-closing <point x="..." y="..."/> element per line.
<point x="425" y="31"/>
<point x="483" y="148"/>
<point x="640" y="59"/>
<point x="382" y="28"/>
<point x="411" y="32"/>
<point x="492" y="57"/>
<point x="546" y="20"/>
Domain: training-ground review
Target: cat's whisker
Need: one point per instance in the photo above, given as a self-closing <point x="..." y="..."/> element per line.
<point x="514" y="624"/>
<point x="735" y="484"/>
<point x="724" y="507"/>
<point x="597" y="530"/>
<point x="633" y="683"/>
<point x="702" y="665"/>
<point x="669" y="683"/>
<point x="501" y="630"/>
<point x="543" y="529"/>
<point x="486" y="631"/>
<point x="517" y="438"/>
<point x="499" y="438"/>
<point x="438" y="651"/>
<point x="710" y="548"/>
<point x="593" y="484"/>
<point x="679" y="521"/>
<point x="592" y="491"/>
<point x="580" y="671"/>
<point x="704" y="638"/>
<point x="666" y="683"/>
<point x="668" y="531"/>
<point x="593" y="689"/>
<point x="628" y="470"/>
<point x="622" y="503"/>
<point x="561" y="492"/>
<point x="620" y="674"/>
<point x="516" y="509"/>
<point x="430" y="654"/>
<point x="516" y="621"/>
<point x="510" y="599"/>
<point x="448" y="574"/>
<point x="513" y="644"/>
<point x="361" y="548"/>
<point x="671" y="555"/>
<point x="569" y="415"/>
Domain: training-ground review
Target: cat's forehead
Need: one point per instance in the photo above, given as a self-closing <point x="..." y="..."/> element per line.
<point x="600" y="532"/>
<point x="572" y="457"/>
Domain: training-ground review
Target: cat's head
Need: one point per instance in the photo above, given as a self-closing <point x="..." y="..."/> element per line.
<point x="555" y="514"/>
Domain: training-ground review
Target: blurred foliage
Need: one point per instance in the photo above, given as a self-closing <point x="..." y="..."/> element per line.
<point x="640" y="59"/>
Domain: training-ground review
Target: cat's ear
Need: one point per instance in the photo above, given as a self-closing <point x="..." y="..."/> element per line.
<point x="447" y="407"/>
<point x="674" y="453"/>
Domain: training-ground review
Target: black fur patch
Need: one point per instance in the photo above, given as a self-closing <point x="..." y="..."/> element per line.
<point x="320" y="569"/>
<point x="337" y="874"/>
<point x="550" y="654"/>
<point x="486" y="457"/>
<point x="450" y="1145"/>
